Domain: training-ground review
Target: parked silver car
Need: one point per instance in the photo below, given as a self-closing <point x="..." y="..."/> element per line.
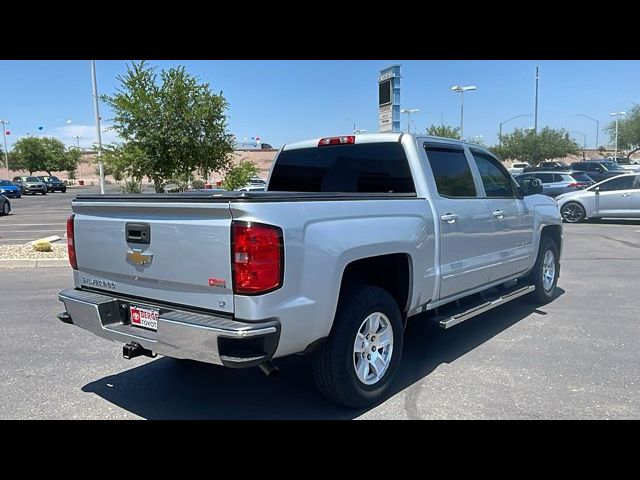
<point x="617" y="197"/>
<point x="557" y="183"/>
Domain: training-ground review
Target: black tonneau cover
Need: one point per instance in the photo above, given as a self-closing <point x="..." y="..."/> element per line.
<point x="204" y="196"/>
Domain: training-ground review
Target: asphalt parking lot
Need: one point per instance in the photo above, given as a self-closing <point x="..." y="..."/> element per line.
<point x="578" y="357"/>
<point x="39" y="216"/>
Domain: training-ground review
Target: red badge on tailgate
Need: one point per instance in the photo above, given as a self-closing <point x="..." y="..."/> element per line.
<point x="218" y="282"/>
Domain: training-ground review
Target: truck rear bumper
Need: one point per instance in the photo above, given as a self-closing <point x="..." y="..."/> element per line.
<point x="181" y="334"/>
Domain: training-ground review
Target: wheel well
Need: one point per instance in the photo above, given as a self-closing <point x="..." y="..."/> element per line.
<point x="555" y="233"/>
<point x="390" y="272"/>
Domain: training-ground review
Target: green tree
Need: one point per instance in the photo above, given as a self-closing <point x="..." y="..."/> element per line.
<point x="29" y="154"/>
<point x="238" y="176"/>
<point x="525" y="146"/>
<point x="68" y="161"/>
<point x="444" y="131"/>
<point x="44" y="155"/>
<point x="628" y="130"/>
<point x="177" y="123"/>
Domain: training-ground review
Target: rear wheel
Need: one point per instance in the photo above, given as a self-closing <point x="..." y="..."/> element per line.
<point x="545" y="272"/>
<point x="358" y="362"/>
<point x="44" y="192"/>
<point x="573" y="212"/>
<point x="5" y="208"/>
<point x="64" y="190"/>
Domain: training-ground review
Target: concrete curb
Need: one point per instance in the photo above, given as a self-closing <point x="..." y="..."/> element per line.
<point x="27" y="263"/>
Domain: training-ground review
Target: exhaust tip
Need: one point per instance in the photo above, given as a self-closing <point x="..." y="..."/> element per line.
<point x="269" y="369"/>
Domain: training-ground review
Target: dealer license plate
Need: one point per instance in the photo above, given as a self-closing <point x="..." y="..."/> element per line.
<point x="144" y="317"/>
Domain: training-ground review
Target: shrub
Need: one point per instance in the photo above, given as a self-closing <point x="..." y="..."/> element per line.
<point x="130" y="187"/>
<point x="197" y="185"/>
<point x="42" y="246"/>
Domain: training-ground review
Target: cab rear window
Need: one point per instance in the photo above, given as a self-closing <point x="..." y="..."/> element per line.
<point x="356" y="168"/>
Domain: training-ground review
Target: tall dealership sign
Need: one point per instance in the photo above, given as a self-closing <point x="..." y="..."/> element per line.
<point x="389" y="99"/>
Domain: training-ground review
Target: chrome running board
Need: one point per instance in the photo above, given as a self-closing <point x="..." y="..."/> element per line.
<point x="447" y="321"/>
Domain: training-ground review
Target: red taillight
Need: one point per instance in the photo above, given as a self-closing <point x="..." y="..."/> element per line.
<point x="71" y="247"/>
<point x="349" y="139"/>
<point x="257" y="258"/>
<point x="577" y="185"/>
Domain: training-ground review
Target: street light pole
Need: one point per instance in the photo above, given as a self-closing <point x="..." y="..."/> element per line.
<point x="409" y="111"/>
<point x="77" y="137"/>
<point x="97" y="111"/>
<point x="535" y="121"/>
<point x="461" y="90"/>
<point x="617" y="114"/>
<point x="584" y="143"/>
<point x="4" y="135"/>
<point x="597" y="125"/>
<point x="508" y="120"/>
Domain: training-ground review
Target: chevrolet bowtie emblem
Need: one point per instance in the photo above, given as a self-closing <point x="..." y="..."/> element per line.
<point x="137" y="257"/>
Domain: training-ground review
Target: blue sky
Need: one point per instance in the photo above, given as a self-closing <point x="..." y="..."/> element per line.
<point x="285" y="101"/>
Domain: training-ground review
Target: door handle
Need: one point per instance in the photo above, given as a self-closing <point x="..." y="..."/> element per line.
<point x="498" y="214"/>
<point x="626" y="194"/>
<point x="449" y="217"/>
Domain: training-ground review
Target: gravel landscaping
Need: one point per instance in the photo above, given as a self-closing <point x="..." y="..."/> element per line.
<point x="26" y="252"/>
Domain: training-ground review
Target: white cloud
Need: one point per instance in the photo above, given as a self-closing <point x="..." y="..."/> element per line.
<point x="87" y="133"/>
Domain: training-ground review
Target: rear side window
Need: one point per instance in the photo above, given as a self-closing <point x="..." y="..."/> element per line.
<point x="364" y="168"/>
<point x="451" y="171"/>
<point x="581" y="177"/>
<point x="544" y="177"/>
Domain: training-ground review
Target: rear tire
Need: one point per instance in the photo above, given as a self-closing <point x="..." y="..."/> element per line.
<point x="354" y="367"/>
<point x="545" y="272"/>
<point x="64" y="190"/>
<point x="44" y="193"/>
<point x="5" y="208"/>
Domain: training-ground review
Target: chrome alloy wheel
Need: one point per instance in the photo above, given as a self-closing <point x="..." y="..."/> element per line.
<point x="373" y="348"/>
<point x="572" y="213"/>
<point x="548" y="270"/>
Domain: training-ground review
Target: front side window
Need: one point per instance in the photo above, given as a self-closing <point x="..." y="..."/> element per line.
<point x="496" y="183"/>
<point x="451" y="171"/>
<point x="618" y="183"/>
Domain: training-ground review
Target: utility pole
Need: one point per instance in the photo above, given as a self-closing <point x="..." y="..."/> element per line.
<point x="535" y="122"/>
<point x="97" y="111"/>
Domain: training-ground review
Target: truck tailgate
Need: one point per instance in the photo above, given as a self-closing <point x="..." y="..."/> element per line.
<point x="186" y="260"/>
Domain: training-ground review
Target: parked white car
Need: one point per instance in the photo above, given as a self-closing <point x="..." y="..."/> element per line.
<point x="617" y="197"/>
<point x="518" y="168"/>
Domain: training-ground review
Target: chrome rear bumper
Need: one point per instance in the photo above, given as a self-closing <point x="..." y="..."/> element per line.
<point x="181" y="334"/>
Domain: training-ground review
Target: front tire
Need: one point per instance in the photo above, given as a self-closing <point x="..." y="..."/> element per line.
<point x="44" y="193"/>
<point x="573" y="212"/>
<point x="545" y="272"/>
<point x="358" y="362"/>
<point x="5" y="208"/>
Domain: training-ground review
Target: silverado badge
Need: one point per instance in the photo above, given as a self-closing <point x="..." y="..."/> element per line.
<point x="137" y="257"/>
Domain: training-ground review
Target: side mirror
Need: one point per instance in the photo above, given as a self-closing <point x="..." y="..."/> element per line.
<point x="530" y="186"/>
<point x="597" y="190"/>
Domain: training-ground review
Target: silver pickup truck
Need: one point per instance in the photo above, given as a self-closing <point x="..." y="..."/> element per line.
<point x="354" y="235"/>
